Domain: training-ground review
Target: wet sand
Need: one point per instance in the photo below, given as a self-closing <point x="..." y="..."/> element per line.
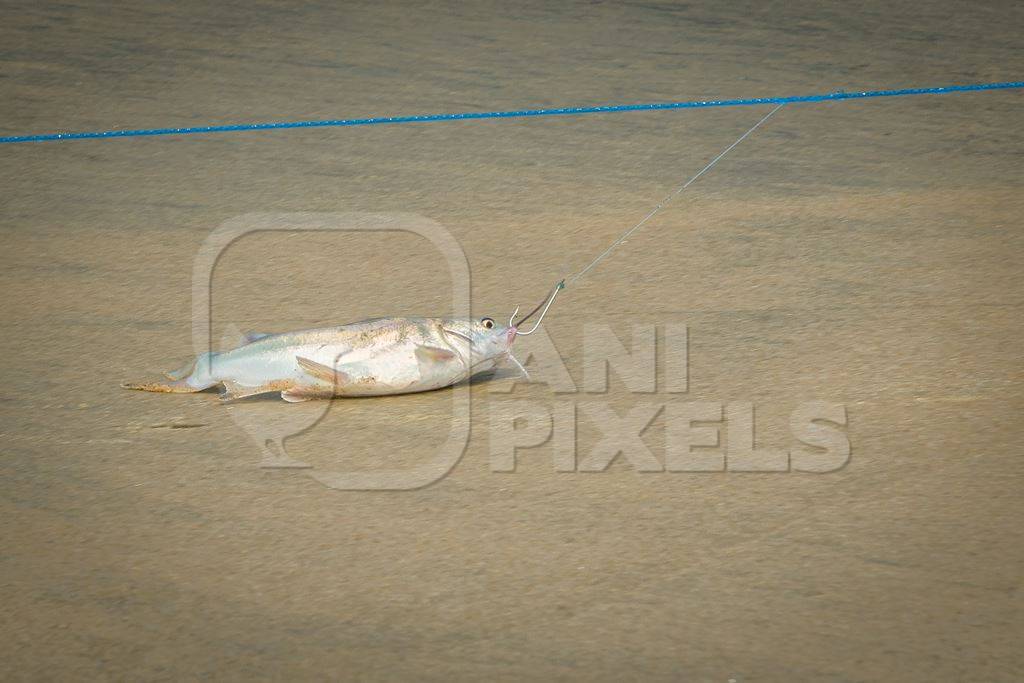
<point x="867" y="253"/>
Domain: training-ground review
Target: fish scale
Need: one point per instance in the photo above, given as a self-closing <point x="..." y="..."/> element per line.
<point x="374" y="357"/>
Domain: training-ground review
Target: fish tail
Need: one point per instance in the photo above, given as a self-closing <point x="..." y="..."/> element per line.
<point x="195" y="377"/>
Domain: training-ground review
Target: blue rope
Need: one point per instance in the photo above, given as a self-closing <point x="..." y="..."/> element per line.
<point x="521" y="113"/>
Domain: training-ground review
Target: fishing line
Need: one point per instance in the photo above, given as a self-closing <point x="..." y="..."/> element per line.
<point x="671" y="196"/>
<point x="564" y="282"/>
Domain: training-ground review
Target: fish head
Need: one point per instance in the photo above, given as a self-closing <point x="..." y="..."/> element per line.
<point x="488" y="339"/>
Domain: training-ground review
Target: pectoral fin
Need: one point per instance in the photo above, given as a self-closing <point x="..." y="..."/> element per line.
<point x="434" y="354"/>
<point x="335" y="378"/>
<point x="439" y="366"/>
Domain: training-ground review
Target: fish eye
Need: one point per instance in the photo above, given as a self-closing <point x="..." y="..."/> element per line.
<point x="487" y="322"/>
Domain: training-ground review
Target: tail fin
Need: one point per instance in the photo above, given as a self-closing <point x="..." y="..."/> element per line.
<point x="195" y="377"/>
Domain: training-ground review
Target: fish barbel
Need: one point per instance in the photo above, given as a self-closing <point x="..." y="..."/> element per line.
<point x="369" y="358"/>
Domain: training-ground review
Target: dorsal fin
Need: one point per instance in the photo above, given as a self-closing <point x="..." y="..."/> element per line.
<point x="250" y="337"/>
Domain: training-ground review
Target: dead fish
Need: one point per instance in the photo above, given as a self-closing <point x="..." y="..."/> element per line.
<point x="373" y="357"/>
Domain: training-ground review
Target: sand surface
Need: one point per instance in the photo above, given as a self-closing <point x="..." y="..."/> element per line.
<point x="867" y="253"/>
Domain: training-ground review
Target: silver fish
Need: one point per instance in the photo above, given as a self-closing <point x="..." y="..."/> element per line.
<point x="369" y="358"/>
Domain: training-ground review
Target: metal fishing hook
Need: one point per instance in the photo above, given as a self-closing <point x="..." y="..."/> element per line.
<point x="513" y="316"/>
<point x="546" y="304"/>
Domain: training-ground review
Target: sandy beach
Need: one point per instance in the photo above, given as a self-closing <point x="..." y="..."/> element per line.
<point x="864" y="253"/>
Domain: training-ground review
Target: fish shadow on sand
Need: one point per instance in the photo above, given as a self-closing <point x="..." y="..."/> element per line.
<point x="269" y="421"/>
<point x="493" y="375"/>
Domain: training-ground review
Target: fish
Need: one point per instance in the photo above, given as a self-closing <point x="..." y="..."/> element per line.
<point x="375" y="357"/>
